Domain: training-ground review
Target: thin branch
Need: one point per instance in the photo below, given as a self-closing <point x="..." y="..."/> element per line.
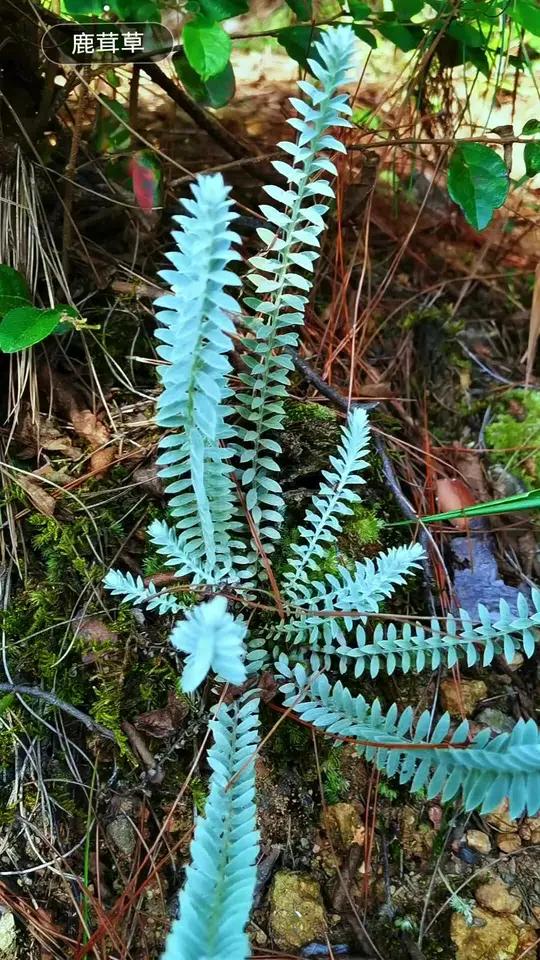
<point x="54" y="701"/>
<point x="324" y="388"/>
<point x="232" y="145"/>
<point x="430" y="141"/>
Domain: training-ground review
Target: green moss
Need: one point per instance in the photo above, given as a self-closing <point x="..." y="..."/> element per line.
<point x="386" y="791"/>
<point x="335" y="784"/>
<point x="7" y="743"/>
<point x="514" y="435"/>
<point x="199" y="793"/>
<point x="297" y="412"/>
<point x="360" y="530"/>
<point x="290" y="740"/>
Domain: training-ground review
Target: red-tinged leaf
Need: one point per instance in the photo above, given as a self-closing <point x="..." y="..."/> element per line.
<point x="146" y="179"/>
<point x="454" y="495"/>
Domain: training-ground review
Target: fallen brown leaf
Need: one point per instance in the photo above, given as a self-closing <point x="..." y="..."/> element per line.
<point x="38" y="496"/>
<point x="164" y="721"/>
<point x="454" y="494"/>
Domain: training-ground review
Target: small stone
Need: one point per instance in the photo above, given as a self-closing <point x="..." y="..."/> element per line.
<point x="536" y="913"/>
<point x="501" y="820"/>
<point x="494" y="938"/>
<point x="498" y="721"/>
<point x="497" y="898"/>
<point x="530" y="830"/>
<point x="479" y="841"/>
<point x="8" y="935"/>
<point x="297" y="914"/>
<point x="417" y="838"/>
<point x="122" y="833"/>
<point x="343" y="824"/>
<point x="463" y="696"/>
<point x="509" y="843"/>
<point x="516" y="663"/>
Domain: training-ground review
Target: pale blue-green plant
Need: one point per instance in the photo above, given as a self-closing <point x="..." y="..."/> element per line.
<point x="219" y="462"/>
<point x="282" y="274"/>
<point x="218" y="891"/>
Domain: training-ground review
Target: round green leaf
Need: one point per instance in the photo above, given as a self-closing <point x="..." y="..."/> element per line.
<point x="25" y="326"/>
<point x="532" y="126"/>
<point x="215" y="93"/>
<point x="299" y="43"/>
<point x="531" y="155"/>
<point x="207" y="46"/>
<point x="190" y="79"/>
<point x="406" y="38"/>
<point x="222" y="87"/>
<point x="359" y="11"/>
<point x="406" y="9"/>
<point x="466" y="34"/>
<point x="478" y="182"/>
<point x="14" y="291"/>
<point x="82" y="8"/>
<point x="137" y="11"/>
<point x="223" y="9"/>
<point x="303" y="9"/>
<point x="365" y="35"/>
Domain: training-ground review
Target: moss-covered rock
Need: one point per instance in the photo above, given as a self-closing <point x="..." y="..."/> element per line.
<point x="297" y="914"/>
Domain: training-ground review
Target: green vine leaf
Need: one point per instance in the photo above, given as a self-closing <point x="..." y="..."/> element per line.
<point x="303" y="9"/>
<point x="365" y="35"/>
<point x="532" y="126"/>
<point x="466" y="34"/>
<point x="23" y="327"/>
<point x="531" y="155"/>
<point x="215" y="92"/>
<point x="406" y="9"/>
<point x="527" y="14"/>
<point x="406" y="38"/>
<point x="478" y="182"/>
<point x="358" y="10"/>
<point x="299" y="43"/>
<point x="207" y="46"/>
<point x="223" y="9"/>
<point x="14" y="290"/>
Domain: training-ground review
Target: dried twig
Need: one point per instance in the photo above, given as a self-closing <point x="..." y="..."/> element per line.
<point x="39" y="694"/>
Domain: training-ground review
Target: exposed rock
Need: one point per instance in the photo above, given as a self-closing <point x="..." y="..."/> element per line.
<point x="495" y="896"/>
<point x="498" y="721"/>
<point x="479" y="841"/>
<point x="463" y="696"/>
<point x="8" y="935"/>
<point x="509" y="843"/>
<point x="417" y="838"/>
<point x="530" y="830"/>
<point x="122" y="833"/>
<point x="501" y="820"/>
<point x="516" y="663"/>
<point x="297" y="913"/>
<point x="342" y="822"/>
<point x="492" y="937"/>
